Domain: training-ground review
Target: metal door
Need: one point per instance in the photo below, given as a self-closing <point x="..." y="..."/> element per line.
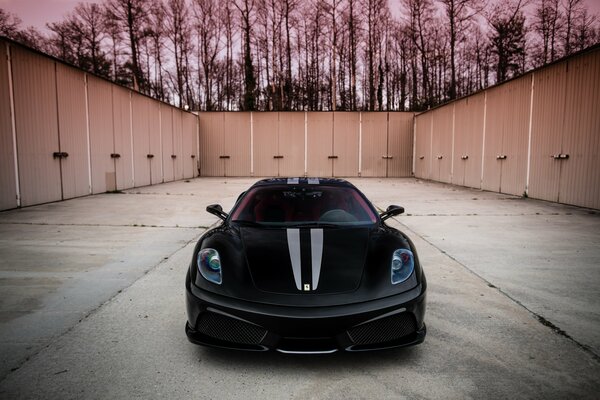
<point x="154" y="140"/>
<point x="123" y="137"/>
<point x="178" y="144"/>
<point x="212" y="131"/>
<point x="547" y="131"/>
<point x="103" y="158"/>
<point x="169" y="154"/>
<point x="319" y="138"/>
<point x="346" y="130"/>
<point x="422" y="161"/>
<point x="291" y="144"/>
<point x="374" y="144"/>
<point x="494" y="128"/>
<point x="441" y="146"/>
<point x="265" y="126"/>
<point x="142" y="157"/>
<point x="468" y="140"/>
<point x="73" y="131"/>
<point x="400" y="144"/>
<point x="8" y="181"/>
<point x="515" y="142"/>
<point x="189" y="145"/>
<point x="580" y="179"/>
<point x="34" y="88"/>
<point x="237" y="144"/>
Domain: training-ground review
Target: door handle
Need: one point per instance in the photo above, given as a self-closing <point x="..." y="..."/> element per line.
<point x="277" y="156"/>
<point x="387" y="157"/>
<point x="501" y="157"/>
<point x="224" y="157"/>
<point x="332" y="157"/>
<point x="115" y="155"/>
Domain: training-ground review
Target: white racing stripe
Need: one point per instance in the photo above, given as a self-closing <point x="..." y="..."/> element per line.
<point x="293" y="238"/>
<point x="316" y="251"/>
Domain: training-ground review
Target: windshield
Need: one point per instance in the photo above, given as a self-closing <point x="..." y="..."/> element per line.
<point x="304" y="205"/>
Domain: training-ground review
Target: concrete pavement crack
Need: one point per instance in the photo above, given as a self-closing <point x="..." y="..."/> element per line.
<point x="540" y="318"/>
<point x="94" y="310"/>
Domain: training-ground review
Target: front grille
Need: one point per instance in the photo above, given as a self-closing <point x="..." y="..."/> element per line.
<point x="384" y="329"/>
<point x="229" y="329"/>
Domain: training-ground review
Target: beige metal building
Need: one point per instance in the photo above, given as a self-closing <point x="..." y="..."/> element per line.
<point x="342" y="144"/>
<point x="537" y="135"/>
<point x="65" y="133"/>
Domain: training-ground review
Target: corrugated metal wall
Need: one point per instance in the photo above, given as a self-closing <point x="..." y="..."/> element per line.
<point x="178" y="144"/>
<point x="580" y="176"/>
<point x="189" y="144"/>
<point x="441" y="145"/>
<point x="290" y="144"/>
<point x="319" y="144"/>
<point x="537" y="135"/>
<point x="122" y="134"/>
<point x="77" y="134"/>
<point x="546" y="131"/>
<point x="400" y="144"/>
<point x="169" y="155"/>
<point x="343" y="144"/>
<point x="346" y="142"/>
<point x="100" y="107"/>
<point x="8" y="180"/>
<point x="34" y="91"/>
<point x="468" y="141"/>
<point x="237" y="144"/>
<point x="422" y="153"/>
<point x="374" y="144"/>
<point x="265" y="144"/>
<point x="73" y="131"/>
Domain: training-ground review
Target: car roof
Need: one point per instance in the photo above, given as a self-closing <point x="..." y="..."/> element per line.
<point x="308" y="181"/>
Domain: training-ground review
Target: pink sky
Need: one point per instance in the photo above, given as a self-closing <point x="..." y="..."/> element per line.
<point x="39" y="12"/>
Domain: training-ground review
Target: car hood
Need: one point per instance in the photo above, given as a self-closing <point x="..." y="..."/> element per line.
<point x="306" y="260"/>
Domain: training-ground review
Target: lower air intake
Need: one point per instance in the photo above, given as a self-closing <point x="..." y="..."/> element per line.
<point x="384" y="329"/>
<point x="230" y="329"/>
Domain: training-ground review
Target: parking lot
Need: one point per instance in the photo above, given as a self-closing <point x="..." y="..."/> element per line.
<point x="92" y="301"/>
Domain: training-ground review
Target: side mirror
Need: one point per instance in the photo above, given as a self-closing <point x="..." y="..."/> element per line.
<point x="391" y="211"/>
<point x="217" y="210"/>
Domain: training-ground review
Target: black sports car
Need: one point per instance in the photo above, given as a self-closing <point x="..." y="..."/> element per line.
<point x="305" y="265"/>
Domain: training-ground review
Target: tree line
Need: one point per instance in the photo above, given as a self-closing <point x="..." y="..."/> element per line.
<point x="404" y="55"/>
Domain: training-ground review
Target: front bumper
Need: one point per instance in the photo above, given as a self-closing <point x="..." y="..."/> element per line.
<point x="220" y="321"/>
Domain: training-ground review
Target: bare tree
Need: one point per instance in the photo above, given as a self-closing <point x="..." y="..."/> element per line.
<point x="585" y="34"/>
<point x="246" y="8"/>
<point x="507" y="39"/>
<point x="459" y="14"/>
<point x="177" y="30"/>
<point x="130" y="15"/>
<point x="10" y="24"/>
<point x="156" y="33"/>
<point x="207" y="15"/>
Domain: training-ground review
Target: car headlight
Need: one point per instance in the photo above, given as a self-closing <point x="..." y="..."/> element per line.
<point x="403" y="264"/>
<point x="209" y="265"/>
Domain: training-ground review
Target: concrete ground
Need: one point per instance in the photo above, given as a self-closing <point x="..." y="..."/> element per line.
<point x="92" y="301"/>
